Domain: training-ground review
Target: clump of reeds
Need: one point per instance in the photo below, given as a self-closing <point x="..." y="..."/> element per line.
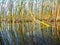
<point x="25" y="20"/>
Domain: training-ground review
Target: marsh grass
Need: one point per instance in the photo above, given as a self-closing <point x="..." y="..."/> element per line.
<point x="28" y="27"/>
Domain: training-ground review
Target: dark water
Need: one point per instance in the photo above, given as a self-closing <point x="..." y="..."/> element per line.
<point x="28" y="34"/>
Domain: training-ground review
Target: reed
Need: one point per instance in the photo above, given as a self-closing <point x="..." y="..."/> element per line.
<point x="29" y="21"/>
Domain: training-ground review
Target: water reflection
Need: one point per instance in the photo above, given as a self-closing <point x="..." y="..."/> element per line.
<point x="27" y="34"/>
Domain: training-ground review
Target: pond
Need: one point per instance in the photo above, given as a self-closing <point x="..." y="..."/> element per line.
<point x="28" y="33"/>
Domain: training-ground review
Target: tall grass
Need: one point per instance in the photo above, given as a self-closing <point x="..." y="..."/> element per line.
<point x="30" y="22"/>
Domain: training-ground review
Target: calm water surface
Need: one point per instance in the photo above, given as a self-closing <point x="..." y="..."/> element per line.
<point x="28" y="34"/>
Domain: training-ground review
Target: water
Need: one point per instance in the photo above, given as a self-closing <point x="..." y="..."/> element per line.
<point x="28" y="33"/>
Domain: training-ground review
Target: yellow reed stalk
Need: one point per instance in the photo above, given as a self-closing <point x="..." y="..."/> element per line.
<point x="38" y="21"/>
